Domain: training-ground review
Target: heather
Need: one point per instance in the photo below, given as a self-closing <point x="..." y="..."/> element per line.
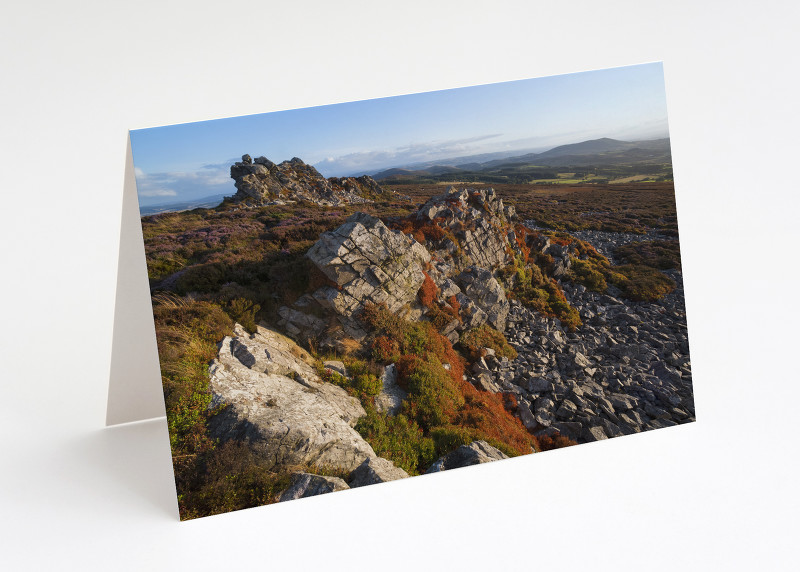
<point x="464" y="378"/>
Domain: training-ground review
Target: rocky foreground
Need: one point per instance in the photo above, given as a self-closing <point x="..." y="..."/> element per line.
<point x="270" y="397"/>
<point x="623" y="370"/>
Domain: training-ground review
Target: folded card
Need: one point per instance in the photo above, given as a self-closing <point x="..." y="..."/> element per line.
<point x="363" y="292"/>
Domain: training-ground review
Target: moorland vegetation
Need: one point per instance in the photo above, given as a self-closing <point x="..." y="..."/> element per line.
<point x="212" y="268"/>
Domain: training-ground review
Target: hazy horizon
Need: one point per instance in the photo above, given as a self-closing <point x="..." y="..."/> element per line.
<point x="190" y="161"/>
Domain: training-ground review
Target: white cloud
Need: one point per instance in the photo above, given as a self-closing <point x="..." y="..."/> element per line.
<point x="206" y="181"/>
<point x="157" y="193"/>
<point x="364" y="161"/>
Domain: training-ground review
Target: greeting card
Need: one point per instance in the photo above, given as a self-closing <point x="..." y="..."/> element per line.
<point x="358" y="293"/>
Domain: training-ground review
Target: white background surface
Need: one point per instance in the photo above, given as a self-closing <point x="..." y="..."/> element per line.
<point x="717" y="494"/>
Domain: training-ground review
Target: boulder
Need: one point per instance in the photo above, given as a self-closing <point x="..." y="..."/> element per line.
<point x="369" y="263"/>
<point x="479" y="285"/>
<point x="473" y="454"/>
<point x="335" y="366"/>
<point x="275" y="402"/>
<point x="309" y="485"/>
<point x="375" y="470"/>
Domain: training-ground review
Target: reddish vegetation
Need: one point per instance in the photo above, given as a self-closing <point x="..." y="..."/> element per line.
<point x="555" y="442"/>
<point x="422" y="230"/>
<point x="523" y="235"/>
<point x="441" y="399"/>
<point x="385" y="349"/>
<point x="510" y="401"/>
<point x="428" y="292"/>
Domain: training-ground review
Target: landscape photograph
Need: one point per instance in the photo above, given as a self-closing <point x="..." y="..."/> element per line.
<point x="362" y="292"/>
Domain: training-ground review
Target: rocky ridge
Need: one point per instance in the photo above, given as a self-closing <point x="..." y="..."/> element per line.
<point x="367" y="262"/>
<point x="626" y="369"/>
<point x="261" y="182"/>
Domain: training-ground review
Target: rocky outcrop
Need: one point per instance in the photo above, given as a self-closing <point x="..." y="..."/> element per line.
<point x="274" y="401"/>
<point x="367" y="262"/>
<point x="309" y="485"/>
<point x="375" y="470"/>
<point x="476" y="225"/>
<point x="261" y="182"/>
<point x="466" y="455"/>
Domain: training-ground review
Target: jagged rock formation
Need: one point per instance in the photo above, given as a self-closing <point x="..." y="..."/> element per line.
<point x="277" y="404"/>
<point x="624" y="370"/>
<point x="481" y="287"/>
<point x="466" y="455"/>
<point x="476" y="225"/>
<point x="367" y="262"/>
<point x="261" y="182"/>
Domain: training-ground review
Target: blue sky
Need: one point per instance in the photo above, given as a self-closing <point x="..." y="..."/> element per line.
<point x="192" y="160"/>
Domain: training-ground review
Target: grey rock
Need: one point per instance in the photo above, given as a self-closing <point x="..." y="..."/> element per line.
<point x="466" y="455"/>
<point x="375" y="470"/>
<point x="335" y="366"/>
<point x="485" y="291"/>
<point x="595" y="433"/>
<point x="391" y="397"/>
<point x="280" y="407"/>
<point x="309" y="485"/>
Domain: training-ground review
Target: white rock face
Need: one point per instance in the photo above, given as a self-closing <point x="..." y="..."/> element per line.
<point x="279" y="406"/>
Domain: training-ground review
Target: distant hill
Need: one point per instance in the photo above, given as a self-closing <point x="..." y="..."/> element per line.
<point x="633" y="156"/>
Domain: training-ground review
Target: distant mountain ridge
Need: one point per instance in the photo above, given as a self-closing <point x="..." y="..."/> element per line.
<point x="596" y="152"/>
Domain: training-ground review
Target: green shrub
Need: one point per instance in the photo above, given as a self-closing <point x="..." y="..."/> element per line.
<point x="244" y="312"/>
<point x="486" y="337"/>
<point x="450" y="437"/>
<point x="203" y="278"/>
<point x="584" y="272"/>
<point x="398" y="439"/>
<point x="364" y="380"/>
<point x="434" y="399"/>
<point x="232" y="478"/>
